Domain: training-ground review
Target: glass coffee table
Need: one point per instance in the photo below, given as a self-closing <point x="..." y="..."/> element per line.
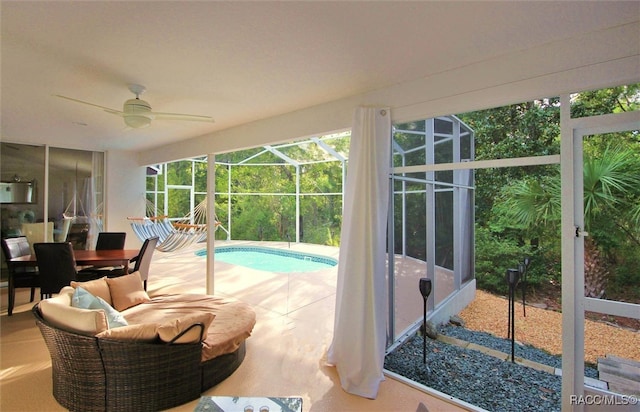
<point x="249" y="404"/>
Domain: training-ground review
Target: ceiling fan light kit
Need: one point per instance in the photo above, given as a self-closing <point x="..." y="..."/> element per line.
<point x="137" y="112"/>
<point x="137" y="121"/>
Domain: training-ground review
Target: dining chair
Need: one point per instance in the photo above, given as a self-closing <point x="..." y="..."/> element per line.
<point x="105" y="241"/>
<point x="111" y="240"/>
<point x="142" y="261"/>
<point x="57" y="266"/>
<point x="20" y="276"/>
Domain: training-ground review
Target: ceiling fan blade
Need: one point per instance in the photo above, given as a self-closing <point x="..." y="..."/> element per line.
<point x="179" y="116"/>
<point x="106" y="109"/>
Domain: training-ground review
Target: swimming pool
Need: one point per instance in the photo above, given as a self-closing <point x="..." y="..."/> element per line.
<point x="271" y="260"/>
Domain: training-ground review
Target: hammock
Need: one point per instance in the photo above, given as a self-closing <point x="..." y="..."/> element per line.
<point x="174" y="235"/>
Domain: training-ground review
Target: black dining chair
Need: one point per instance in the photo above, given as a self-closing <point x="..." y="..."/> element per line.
<point x="111" y="240"/>
<point x="57" y="266"/>
<point x="142" y="261"/>
<point x="105" y="241"/>
<point x="20" y="276"/>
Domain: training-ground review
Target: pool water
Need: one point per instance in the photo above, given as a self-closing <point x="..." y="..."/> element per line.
<point x="271" y="260"/>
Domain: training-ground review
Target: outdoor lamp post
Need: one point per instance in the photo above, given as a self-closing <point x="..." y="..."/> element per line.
<point x="512" y="278"/>
<point x="425" y="291"/>
<point x="522" y="268"/>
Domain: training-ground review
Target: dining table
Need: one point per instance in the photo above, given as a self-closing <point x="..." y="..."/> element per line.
<point x="108" y="257"/>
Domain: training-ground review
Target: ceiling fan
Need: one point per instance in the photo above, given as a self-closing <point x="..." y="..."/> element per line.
<point x="137" y="112"/>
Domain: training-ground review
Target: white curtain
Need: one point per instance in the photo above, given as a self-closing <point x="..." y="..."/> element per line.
<point x="91" y="199"/>
<point x="359" y="334"/>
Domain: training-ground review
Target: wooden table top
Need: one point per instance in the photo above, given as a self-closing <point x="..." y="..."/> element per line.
<point x="90" y="257"/>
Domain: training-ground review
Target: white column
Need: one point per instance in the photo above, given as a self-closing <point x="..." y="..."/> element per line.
<point x="211" y="221"/>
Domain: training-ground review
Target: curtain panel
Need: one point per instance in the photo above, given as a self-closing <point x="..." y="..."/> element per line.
<point x="359" y="336"/>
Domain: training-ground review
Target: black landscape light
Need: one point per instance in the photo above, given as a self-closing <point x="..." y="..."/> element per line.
<point x="425" y="291"/>
<point x="521" y="271"/>
<point x="512" y="277"/>
<point x="522" y="268"/>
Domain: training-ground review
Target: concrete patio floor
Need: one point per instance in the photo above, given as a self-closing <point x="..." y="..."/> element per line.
<point x="285" y="355"/>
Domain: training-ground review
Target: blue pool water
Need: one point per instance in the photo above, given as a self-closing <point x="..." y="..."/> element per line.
<point x="270" y="260"/>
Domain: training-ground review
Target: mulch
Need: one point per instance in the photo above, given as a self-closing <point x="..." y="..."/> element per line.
<point x="542" y="328"/>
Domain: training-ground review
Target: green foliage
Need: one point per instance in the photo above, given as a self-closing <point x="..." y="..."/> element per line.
<point x="505" y="232"/>
<point x="262" y="195"/>
<point x="495" y="253"/>
<point x="531" y="205"/>
<point x="179" y="173"/>
<point x="626" y="276"/>
<point x="178" y="202"/>
<point x="265" y="218"/>
<point x="493" y="257"/>
<point x="200" y="176"/>
<point x="516" y="207"/>
<point x="604" y="101"/>
<point x="609" y="180"/>
<point x="321" y="219"/>
<point x="525" y="129"/>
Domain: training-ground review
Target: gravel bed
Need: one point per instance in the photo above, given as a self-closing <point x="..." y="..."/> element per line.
<point x="504" y="345"/>
<point x="476" y="378"/>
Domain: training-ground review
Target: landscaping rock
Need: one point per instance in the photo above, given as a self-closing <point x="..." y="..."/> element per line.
<point x="430" y="330"/>
<point x="456" y="320"/>
<point x="540" y="305"/>
<point x="480" y="379"/>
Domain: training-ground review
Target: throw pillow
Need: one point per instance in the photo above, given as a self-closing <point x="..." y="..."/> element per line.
<point x="170" y="329"/>
<point x="143" y="332"/>
<point x="63" y="315"/>
<point x="97" y="287"/>
<point x="85" y="300"/>
<point x="127" y="291"/>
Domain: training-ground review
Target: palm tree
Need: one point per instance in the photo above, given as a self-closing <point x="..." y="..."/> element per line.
<point x="611" y="197"/>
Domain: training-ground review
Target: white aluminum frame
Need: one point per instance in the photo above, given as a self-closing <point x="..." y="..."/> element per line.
<point x="574" y="303"/>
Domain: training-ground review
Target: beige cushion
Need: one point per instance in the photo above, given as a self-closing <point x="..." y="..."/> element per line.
<point x="97" y="287"/>
<point x="233" y="323"/>
<point x="127" y="291"/>
<point x="143" y="332"/>
<point x="170" y="329"/>
<point x="59" y="312"/>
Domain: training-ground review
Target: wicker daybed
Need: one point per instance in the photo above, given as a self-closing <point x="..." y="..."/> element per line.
<point x="105" y="372"/>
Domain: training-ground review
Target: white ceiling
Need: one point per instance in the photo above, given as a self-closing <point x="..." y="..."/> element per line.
<point x="244" y="61"/>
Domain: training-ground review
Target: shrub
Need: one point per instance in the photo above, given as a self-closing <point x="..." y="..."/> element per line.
<point x="495" y="254"/>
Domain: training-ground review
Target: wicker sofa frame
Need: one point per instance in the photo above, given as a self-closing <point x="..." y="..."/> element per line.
<point x="96" y="374"/>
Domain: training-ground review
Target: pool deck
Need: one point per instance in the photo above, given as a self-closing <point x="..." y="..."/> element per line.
<point x="294" y="330"/>
<point x="285" y="355"/>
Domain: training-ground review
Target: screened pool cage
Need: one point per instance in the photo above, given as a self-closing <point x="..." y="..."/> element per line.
<point x="293" y="192"/>
<point x="431" y="229"/>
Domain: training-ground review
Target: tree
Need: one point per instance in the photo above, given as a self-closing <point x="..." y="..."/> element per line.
<point x="263" y="188"/>
<point x="532" y="129"/>
<point x="519" y="130"/>
<point x="610" y="188"/>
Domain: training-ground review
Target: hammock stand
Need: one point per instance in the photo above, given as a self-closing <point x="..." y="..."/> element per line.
<point x="174" y="235"/>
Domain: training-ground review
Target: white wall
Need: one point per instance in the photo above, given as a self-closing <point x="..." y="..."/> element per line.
<point x="125" y="188"/>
